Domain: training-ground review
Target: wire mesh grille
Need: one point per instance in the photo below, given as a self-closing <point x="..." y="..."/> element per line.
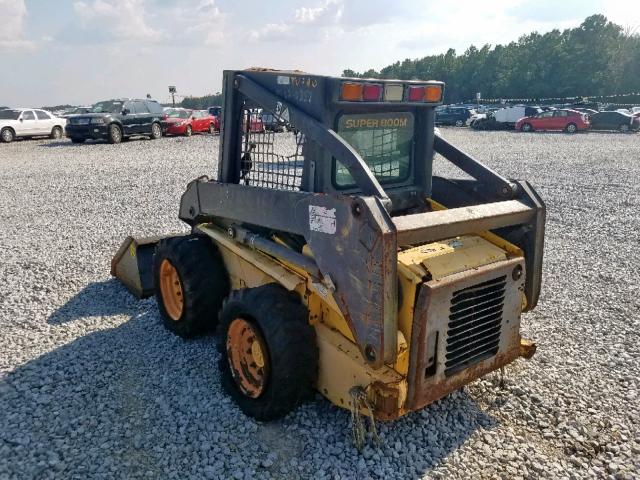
<point x="272" y="152"/>
<point x="475" y="324"/>
<point x="382" y="154"/>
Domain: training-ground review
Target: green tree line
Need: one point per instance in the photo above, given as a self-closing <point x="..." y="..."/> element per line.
<point x="597" y="58"/>
<point x="202" y="103"/>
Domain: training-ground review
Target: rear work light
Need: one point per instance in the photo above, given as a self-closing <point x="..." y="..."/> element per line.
<point x="426" y="93"/>
<point x="393" y="92"/>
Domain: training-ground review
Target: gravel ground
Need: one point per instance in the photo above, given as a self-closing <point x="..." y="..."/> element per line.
<point x="91" y="385"/>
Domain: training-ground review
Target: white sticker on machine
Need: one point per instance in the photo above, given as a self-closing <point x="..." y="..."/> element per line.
<point x="322" y="219"/>
<point x="283" y="80"/>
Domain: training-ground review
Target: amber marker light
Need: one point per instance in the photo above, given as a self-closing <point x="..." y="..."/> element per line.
<point x="433" y="93"/>
<point x="351" y="92"/>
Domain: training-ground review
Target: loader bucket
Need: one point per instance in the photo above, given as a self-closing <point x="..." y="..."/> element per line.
<point x="133" y="264"/>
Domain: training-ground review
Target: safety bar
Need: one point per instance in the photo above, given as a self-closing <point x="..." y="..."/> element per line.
<point x="441" y="224"/>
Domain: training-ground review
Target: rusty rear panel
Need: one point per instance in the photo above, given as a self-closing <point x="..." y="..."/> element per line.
<point x="465" y="325"/>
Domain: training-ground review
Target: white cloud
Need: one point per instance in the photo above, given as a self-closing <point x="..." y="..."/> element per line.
<point x="14" y="13"/>
<point x="432" y="33"/>
<point x="328" y="13"/>
<point x="198" y="22"/>
<point x="308" y="23"/>
<point x="146" y="23"/>
<point x="272" y="32"/>
<point x="122" y="19"/>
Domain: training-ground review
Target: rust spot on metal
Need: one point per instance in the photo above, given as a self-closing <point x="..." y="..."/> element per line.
<point x="385" y="400"/>
<point x="425" y="389"/>
<point x="441" y="388"/>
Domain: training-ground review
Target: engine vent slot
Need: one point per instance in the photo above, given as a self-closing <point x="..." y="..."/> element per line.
<point x="475" y="320"/>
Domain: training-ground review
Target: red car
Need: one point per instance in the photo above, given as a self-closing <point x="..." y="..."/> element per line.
<point x="179" y="121"/>
<point x="566" y="120"/>
<point x="256" y="125"/>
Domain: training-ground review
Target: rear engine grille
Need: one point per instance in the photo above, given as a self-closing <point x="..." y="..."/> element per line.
<point x="474" y="324"/>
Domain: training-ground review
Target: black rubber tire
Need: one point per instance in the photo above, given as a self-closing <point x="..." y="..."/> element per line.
<point x="114" y="134"/>
<point x="203" y="278"/>
<point x="7" y="135"/>
<point x="156" y="131"/>
<point x="56" y="133"/>
<point x="459" y="123"/>
<point x="212" y="128"/>
<point x="77" y="140"/>
<point x="571" y="128"/>
<point x="291" y="344"/>
<point x="526" y="127"/>
<point x="188" y="131"/>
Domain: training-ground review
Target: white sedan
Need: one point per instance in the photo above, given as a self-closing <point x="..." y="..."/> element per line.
<point x="25" y="122"/>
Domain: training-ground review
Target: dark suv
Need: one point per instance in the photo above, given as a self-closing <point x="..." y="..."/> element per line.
<point x="114" y="120"/>
<point x="457" y="116"/>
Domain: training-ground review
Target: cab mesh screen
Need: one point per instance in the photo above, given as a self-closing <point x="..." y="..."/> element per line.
<point x="271" y="153"/>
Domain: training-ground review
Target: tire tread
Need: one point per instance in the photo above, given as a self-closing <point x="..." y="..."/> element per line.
<point x="204" y="281"/>
<point x="291" y="342"/>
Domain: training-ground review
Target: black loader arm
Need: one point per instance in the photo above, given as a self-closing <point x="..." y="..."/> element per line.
<point x="352" y="238"/>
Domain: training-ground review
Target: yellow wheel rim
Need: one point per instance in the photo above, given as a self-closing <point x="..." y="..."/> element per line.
<point x="171" y="290"/>
<point x="247" y="355"/>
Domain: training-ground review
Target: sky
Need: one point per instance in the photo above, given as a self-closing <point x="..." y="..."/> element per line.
<point x="82" y="51"/>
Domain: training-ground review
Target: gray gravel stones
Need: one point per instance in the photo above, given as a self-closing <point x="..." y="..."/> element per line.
<point x="91" y="385"/>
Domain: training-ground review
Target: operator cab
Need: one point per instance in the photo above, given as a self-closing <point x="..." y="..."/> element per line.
<point x="389" y="124"/>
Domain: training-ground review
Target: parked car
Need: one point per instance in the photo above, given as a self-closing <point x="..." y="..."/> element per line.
<point x="272" y="123"/>
<point x="566" y="120"/>
<point x="215" y="111"/>
<point x="75" y="111"/>
<point x="115" y="120"/>
<point x="508" y="116"/>
<point x="255" y="123"/>
<point x="614" y="121"/>
<point x="175" y="120"/>
<point x="26" y="123"/>
<point x="458" y="116"/>
<point x="504" y="118"/>
<point x="588" y="111"/>
<point x="482" y="117"/>
<point x="584" y="105"/>
<point x="180" y="121"/>
<point x="203" y="121"/>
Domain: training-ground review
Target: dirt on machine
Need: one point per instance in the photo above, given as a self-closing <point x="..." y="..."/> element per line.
<point x="329" y="257"/>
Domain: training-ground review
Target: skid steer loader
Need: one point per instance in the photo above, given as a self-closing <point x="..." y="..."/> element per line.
<point x="329" y="257"/>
